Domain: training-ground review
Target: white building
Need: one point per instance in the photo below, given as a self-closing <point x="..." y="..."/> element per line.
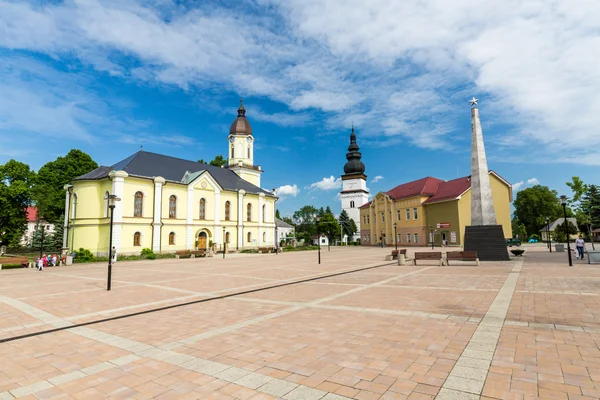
<point x="284" y="230"/>
<point x="32" y="222"/>
<point x="354" y="184"/>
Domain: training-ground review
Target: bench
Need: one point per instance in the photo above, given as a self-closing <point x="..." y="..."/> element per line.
<point x="198" y="253"/>
<point x="264" y="250"/>
<point x="182" y="253"/>
<point x="394" y="255"/>
<point x="462" y="256"/>
<point x="434" y="255"/>
<point x="22" y="261"/>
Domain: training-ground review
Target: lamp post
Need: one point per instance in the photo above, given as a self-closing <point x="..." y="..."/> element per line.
<point x="431" y="235"/>
<point x="224" y="242"/>
<point x="42" y="243"/>
<point x="112" y="200"/>
<point x="319" y="239"/>
<point x="548" y="234"/>
<point x="395" y="238"/>
<point x="563" y="201"/>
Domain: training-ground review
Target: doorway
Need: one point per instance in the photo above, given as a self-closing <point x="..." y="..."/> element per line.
<point x="444" y="242"/>
<point x="202" y="240"/>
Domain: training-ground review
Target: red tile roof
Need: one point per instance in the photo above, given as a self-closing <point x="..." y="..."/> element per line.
<point x="450" y="190"/>
<point x="424" y="186"/>
<point x="366" y="204"/>
<point x="31" y="214"/>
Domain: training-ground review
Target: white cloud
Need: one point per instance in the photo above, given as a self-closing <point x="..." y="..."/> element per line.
<point x="517" y="186"/>
<point x="533" y="181"/>
<point x="376" y="179"/>
<point x="326" y="184"/>
<point x="533" y="63"/>
<point x="287" y="190"/>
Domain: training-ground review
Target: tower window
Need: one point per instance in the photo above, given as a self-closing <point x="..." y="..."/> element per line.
<point x="227" y="210"/>
<point x="138" y="204"/>
<point x="249" y="152"/>
<point x="232" y="152"/>
<point x="352" y="204"/>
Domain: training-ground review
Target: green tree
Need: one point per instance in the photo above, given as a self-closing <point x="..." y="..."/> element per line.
<point x="277" y="215"/>
<point x="218" y="161"/>
<point x="344" y="221"/>
<point x="353" y="227"/>
<point x="559" y="231"/>
<point x="534" y="204"/>
<point x="36" y="240"/>
<point x="329" y="226"/>
<point x="328" y="210"/>
<point x="59" y="230"/>
<point x="578" y="187"/>
<point x="16" y="180"/>
<point x="48" y="192"/>
<point x="304" y="221"/>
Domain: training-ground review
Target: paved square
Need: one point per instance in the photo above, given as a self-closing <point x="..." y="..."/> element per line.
<point x="524" y="329"/>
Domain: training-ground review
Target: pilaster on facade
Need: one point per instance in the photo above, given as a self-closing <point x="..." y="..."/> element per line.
<point x="261" y="202"/>
<point x="157" y="217"/>
<point x="118" y="189"/>
<point x="66" y="221"/>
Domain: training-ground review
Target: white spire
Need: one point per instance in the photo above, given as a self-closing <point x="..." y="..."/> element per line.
<point x="482" y="203"/>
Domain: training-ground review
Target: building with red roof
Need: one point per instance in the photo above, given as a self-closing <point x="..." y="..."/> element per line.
<point x="411" y="213"/>
<point x="32" y="222"/>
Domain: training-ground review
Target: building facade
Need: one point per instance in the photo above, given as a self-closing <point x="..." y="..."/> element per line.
<point x="168" y="204"/>
<point x="284" y="230"/>
<point x="415" y="213"/>
<point x="354" y="192"/>
<point x="32" y="224"/>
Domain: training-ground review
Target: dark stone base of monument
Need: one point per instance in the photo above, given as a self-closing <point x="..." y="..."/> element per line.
<point x="488" y="241"/>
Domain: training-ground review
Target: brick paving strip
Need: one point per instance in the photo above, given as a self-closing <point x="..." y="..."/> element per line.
<point x="468" y="376"/>
<point x="239" y="376"/>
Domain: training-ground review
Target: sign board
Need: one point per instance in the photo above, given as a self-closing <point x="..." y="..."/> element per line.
<point x="443" y="225"/>
<point x="452" y="237"/>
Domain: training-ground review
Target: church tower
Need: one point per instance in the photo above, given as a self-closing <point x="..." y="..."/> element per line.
<point x="354" y="183"/>
<point x="241" y="149"/>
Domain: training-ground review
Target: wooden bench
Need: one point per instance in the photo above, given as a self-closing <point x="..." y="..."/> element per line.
<point x="433" y="255"/>
<point x="22" y="261"/>
<point x="264" y="250"/>
<point x="198" y="253"/>
<point x="184" y="253"/>
<point x="462" y="256"/>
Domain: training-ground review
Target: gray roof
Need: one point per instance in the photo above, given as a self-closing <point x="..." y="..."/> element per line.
<point x="149" y="165"/>
<point x="282" y="224"/>
<point x="558" y="222"/>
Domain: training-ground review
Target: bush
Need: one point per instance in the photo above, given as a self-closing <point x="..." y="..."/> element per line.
<point x="535" y="237"/>
<point x="250" y="251"/>
<point x="83" y="255"/>
<point x="148" y="254"/>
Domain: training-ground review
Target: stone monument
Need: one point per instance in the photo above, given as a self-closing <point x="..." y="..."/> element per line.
<point x="484" y="235"/>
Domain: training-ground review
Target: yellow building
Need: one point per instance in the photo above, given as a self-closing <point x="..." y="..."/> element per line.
<point x="410" y="212"/>
<point x="170" y="204"/>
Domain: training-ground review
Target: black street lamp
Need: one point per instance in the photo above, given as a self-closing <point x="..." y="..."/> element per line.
<point x="319" y="239"/>
<point x="42" y="243"/>
<point x="431" y="235"/>
<point x="563" y="201"/>
<point x="224" y="242"/>
<point x="112" y="200"/>
<point x="548" y="234"/>
<point x="395" y="238"/>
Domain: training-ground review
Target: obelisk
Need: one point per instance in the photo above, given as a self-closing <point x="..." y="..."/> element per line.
<point x="484" y="235"/>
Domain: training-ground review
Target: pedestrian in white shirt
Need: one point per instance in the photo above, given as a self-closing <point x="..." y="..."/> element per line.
<point x="580" y="246"/>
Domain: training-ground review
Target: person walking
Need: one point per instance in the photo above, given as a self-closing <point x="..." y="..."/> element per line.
<point x="40" y="264"/>
<point x="580" y="246"/>
<point x="114" y="255"/>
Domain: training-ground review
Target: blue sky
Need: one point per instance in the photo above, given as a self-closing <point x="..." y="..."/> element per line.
<point x="109" y="76"/>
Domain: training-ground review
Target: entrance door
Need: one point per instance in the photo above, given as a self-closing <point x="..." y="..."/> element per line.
<point x="444" y="238"/>
<point x="202" y="240"/>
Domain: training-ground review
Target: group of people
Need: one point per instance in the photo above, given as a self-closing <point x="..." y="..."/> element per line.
<point x="46" y="261"/>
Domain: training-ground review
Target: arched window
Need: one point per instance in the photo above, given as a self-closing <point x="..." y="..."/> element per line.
<point x="74" y="208"/>
<point x="232" y="152"/>
<point x="227" y="210"/>
<point x="137" y="239"/>
<point x="138" y="204"/>
<point x="264" y="216"/>
<point x="227" y="237"/>
<point x="202" y="209"/>
<point x="249" y="212"/>
<point x="173" y="206"/>
<point x="249" y="151"/>
<point x="249" y="237"/>
<point x="352" y="204"/>
<point x="264" y="237"/>
<point x="172" y="238"/>
<point x="106" y="194"/>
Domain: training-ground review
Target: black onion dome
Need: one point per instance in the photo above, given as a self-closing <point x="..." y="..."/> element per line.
<point x="354" y="165"/>
<point x="241" y="125"/>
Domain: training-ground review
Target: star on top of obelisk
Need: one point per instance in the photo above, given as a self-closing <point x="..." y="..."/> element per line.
<point x="473" y="101"/>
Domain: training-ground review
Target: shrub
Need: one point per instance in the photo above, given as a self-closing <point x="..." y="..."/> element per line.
<point x="148" y="254"/>
<point x="535" y="237"/>
<point x="251" y="251"/>
<point x="83" y="255"/>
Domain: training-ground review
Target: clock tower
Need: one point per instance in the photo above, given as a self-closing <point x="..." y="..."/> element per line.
<point x="354" y="183"/>
<point x="241" y="149"/>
